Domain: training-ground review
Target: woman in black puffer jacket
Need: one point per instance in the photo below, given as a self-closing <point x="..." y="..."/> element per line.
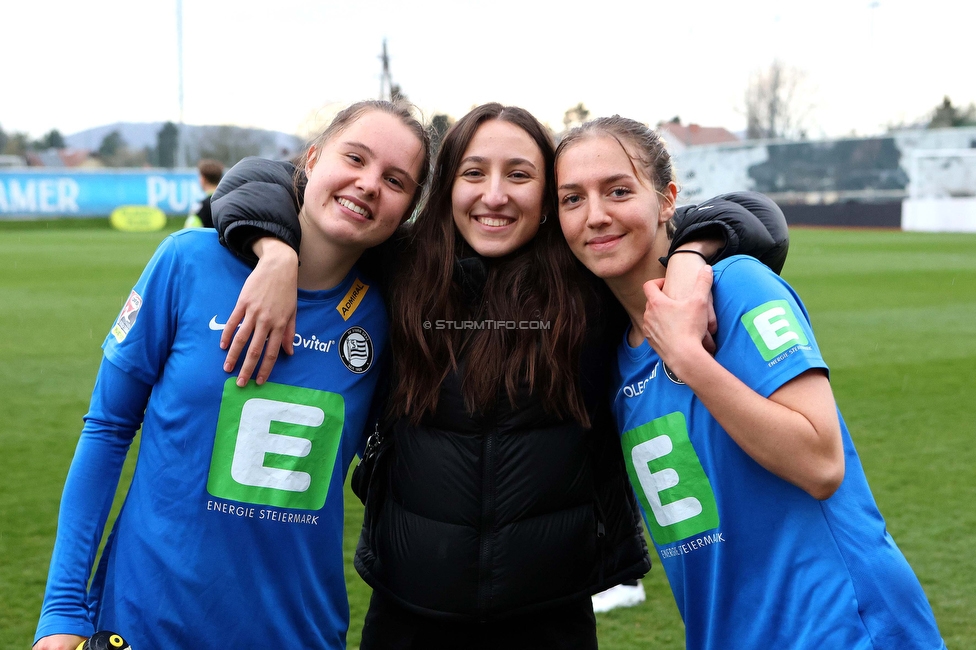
<point x="500" y="501"/>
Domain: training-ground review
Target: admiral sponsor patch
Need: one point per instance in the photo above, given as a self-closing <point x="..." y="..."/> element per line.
<point x="350" y="302"/>
<point x="127" y="318"/>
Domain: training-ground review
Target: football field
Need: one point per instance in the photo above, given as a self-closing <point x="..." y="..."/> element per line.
<point x="894" y="314"/>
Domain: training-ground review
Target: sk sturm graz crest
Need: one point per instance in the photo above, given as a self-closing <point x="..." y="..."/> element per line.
<point x="356" y="350"/>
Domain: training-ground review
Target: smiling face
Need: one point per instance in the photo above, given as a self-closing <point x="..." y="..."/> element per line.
<point x="498" y="190"/>
<point x="361" y="182"/>
<point x="612" y="217"/>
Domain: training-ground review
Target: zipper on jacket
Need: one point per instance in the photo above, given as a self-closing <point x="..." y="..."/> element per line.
<point x="601" y="536"/>
<point x="485" y="564"/>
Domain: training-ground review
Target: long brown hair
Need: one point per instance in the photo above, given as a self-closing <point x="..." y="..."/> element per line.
<point x="540" y="283"/>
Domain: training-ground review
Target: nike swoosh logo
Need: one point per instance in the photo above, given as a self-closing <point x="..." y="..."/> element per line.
<point x="214" y="325"/>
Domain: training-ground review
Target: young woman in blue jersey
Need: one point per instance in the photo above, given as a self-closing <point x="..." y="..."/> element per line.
<point x="750" y="485"/>
<point x="502" y="503"/>
<point x="231" y="532"/>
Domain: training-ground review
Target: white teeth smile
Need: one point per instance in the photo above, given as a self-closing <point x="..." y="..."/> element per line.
<point x="489" y="221"/>
<point x="352" y="206"/>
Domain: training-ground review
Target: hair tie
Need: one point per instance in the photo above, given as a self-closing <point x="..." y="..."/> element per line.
<point x="688" y="250"/>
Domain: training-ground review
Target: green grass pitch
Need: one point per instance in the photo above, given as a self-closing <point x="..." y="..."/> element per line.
<point x="895" y="315"/>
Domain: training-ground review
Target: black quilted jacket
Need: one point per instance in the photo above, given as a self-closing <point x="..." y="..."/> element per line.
<point x="482" y="516"/>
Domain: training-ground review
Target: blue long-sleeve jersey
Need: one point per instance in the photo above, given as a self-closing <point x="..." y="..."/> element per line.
<point x="231" y="531"/>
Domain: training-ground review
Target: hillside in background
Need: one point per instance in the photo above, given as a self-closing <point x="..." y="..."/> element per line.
<point x="201" y="141"/>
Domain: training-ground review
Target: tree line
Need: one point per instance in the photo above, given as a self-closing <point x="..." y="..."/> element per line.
<point x="228" y="144"/>
<point x="113" y="150"/>
<point x="776" y="107"/>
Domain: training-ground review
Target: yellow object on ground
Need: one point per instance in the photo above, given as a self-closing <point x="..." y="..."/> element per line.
<point x="137" y="218"/>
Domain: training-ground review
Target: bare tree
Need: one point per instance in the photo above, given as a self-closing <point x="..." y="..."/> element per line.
<point x="51" y="140"/>
<point x="777" y="103"/>
<point x="439" y="125"/>
<point x="167" y="141"/>
<point x="111" y="145"/>
<point x="575" y="116"/>
<point x="16" y="144"/>
<point x="229" y="144"/>
<point x="947" y="115"/>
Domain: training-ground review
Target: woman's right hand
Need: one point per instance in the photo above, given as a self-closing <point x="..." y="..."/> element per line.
<point x="678" y="329"/>
<point x="265" y="311"/>
<point x="681" y="279"/>
<point x="59" y="642"/>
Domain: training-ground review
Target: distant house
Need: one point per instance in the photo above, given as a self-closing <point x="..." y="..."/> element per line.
<point x="681" y="136"/>
<point x="12" y="161"/>
<point x="67" y="157"/>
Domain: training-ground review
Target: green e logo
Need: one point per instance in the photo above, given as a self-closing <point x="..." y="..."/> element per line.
<point x="276" y="445"/>
<point x="669" y="480"/>
<point x="773" y="328"/>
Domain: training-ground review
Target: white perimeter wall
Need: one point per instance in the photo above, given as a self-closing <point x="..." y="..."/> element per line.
<point x="939" y="215"/>
<point x="940" y="165"/>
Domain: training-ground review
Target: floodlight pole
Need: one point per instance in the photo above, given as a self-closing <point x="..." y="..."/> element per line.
<point x="180" y="146"/>
<point x="386" y="83"/>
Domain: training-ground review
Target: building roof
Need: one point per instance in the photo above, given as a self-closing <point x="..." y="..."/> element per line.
<point x="693" y="134"/>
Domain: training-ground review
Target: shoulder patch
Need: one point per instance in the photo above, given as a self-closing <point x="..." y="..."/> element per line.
<point x="127" y="318"/>
<point x="351" y="301"/>
<point x="774" y="328"/>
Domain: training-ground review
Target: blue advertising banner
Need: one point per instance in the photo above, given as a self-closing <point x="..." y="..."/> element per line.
<point x="44" y="193"/>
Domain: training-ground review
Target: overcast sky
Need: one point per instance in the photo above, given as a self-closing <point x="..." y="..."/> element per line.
<point x="283" y="64"/>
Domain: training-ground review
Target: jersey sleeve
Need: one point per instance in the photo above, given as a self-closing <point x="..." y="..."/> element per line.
<point x="747" y="223"/>
<point x="142" y="336"/>
<point x="115" y="414"/>
<point x="258" y="198"/>
<point x="764" y="333"/>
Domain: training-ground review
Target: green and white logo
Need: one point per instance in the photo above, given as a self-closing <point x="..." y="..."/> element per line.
<point x="669" y="479"/>
<point x="774" y="328"/>
<point x="276" y="445"/>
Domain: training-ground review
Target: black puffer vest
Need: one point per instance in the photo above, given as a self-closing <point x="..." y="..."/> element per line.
<point x="476" y="517"/>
